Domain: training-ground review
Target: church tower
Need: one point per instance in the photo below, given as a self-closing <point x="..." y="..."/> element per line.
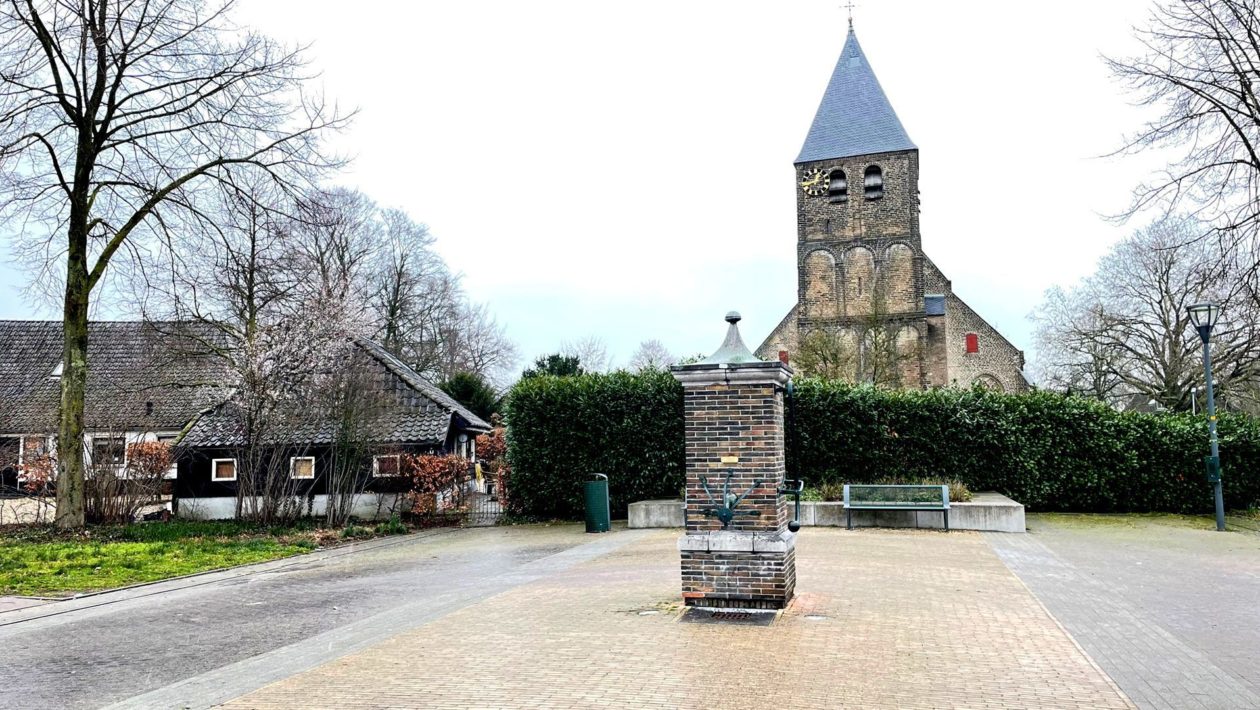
<point x="871" y="306"/>
<point x="859" y="253"/>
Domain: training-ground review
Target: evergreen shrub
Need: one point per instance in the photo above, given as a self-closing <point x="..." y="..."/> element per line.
<point x="563" y="429"/>
<point x="1047" y="451"/>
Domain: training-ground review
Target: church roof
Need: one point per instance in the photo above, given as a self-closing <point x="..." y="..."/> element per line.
<point x="854" y="117"/>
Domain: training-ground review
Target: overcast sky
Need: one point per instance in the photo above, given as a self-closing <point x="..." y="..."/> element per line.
<point x="625" y="169"/>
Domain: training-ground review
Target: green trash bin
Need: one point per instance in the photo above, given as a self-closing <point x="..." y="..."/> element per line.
<point x="598" y="512"/>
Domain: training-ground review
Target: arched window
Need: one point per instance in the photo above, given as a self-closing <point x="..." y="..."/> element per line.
<point x="838" y="187"/>
<point x="988" y="382"/>
<point x="874" y="183"/>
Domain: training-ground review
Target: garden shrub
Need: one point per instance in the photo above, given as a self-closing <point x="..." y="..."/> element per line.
<point x="1045" y="450"/>
<point x="563" y="429"/>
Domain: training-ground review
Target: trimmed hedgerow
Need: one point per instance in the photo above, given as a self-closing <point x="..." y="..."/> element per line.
<point x="1045" y="450"/>
<point x="563" y="429"/>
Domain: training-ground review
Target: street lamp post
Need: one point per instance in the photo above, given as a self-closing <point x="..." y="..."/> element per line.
<point x="1204" y="316"/>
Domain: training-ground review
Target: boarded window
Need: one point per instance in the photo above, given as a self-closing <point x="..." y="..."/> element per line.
<point x="385" y="465"/>
<point x="838" y="187"/>
<point x="874" y="183"/>
<point x="302" y="466"/>
<point x="223" y="469"/>
<point x="973" y="343"/>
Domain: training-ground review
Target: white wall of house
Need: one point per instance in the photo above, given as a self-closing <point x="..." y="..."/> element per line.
<point x="365" y="506"/>
<point x="129" y="437"/>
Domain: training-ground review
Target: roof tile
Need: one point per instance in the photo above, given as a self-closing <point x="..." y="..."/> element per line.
<point x="854" y="117"/>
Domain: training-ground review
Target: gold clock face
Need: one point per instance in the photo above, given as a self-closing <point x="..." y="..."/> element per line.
<point x="814" y="182"/>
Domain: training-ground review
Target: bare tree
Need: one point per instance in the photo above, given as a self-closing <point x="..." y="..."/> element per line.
<point x="828" y="354"/>
<point x="352" y="401"/>
<point x="651" y="355"/>
<point x="338" y="240"/>
<point x="1125" y="331"/>
<point x="114" y="115"/>
<point x="863" y="350"/>
<point x="1200" y="69"/>
<point x="1069" y="356"/>
<point x="274" y="294"/>
<point x="475" y="342"/>
<point x="591" y="352"/>
<point x="413" y="293"/>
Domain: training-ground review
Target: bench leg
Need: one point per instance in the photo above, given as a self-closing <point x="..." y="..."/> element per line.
<point x="946" y="514"/>
<point x="848" y="514"/>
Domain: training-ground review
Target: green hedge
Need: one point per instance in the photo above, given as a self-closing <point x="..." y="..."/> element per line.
<point x="562" y="429"/>
<point x="1047" y="451"/>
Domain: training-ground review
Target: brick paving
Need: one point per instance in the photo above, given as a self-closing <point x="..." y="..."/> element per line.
<point x="1168" y="610"/>
<point x="883" y="619"/>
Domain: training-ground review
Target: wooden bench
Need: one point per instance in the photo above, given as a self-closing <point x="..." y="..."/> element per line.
<point x="864" y="497"/>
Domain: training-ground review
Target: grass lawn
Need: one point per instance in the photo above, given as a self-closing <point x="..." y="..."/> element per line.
<point x="36" y="561"/>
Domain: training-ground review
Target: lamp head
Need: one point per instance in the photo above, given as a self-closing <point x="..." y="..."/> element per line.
<point x="1204" y="316"/>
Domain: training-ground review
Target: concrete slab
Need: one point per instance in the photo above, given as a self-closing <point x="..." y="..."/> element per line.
<point x="986" y="511"/>
<point x="656" y="514"/>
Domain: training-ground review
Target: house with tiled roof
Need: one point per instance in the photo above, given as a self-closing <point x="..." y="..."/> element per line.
<point x="400" y="413"/>
<point x="145" y="382"/>
<point x="163" y="382"/>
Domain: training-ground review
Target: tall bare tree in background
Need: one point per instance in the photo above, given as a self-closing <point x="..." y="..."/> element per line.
<point x="1200" y="70"/>
<point x="591" y="351"/>
<point x="1124" y="332"/>
<point x="115" y="115"/>
<point x="651" y="355"/>
<point x="276" y="291"/>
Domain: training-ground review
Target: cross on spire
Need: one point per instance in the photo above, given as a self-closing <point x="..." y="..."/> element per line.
<point x="849" y="6"/>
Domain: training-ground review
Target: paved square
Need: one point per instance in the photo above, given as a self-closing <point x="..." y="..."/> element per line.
<point x="896" y="619"/>
<point x="1167" y="606"/>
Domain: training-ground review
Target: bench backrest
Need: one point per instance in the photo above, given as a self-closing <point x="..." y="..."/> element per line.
<point x="900" y="496"/>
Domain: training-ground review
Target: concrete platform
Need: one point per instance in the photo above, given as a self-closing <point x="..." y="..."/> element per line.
<point x="987" y="511"/>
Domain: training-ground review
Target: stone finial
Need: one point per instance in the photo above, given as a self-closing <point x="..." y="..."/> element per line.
<point x="733" y="350"/>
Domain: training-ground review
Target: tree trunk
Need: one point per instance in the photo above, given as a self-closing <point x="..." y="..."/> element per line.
<point x="70" y="462"/>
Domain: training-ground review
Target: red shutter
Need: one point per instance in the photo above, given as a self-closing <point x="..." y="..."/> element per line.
<point x="973" y="343"/>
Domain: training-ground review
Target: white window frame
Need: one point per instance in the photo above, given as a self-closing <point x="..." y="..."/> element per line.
<point x="214" y="468"/>
<point x="49" y="449"/>
<point x="376" y="466"/>
<point x="92" y="449"/>
<point x="293" y="468"/>
<point x="173" y="471"/>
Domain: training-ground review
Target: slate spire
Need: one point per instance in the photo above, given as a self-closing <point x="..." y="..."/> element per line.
<point x="854" y="117"/>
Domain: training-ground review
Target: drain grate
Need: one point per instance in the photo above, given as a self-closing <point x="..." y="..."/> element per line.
<point x="741" y="617"/>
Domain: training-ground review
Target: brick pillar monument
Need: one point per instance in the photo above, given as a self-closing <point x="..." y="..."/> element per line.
<point x="734" y="427"/>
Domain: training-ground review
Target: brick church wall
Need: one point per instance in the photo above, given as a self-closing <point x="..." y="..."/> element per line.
<point x="997" y="357"/>
<point x="893" y="216"/>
